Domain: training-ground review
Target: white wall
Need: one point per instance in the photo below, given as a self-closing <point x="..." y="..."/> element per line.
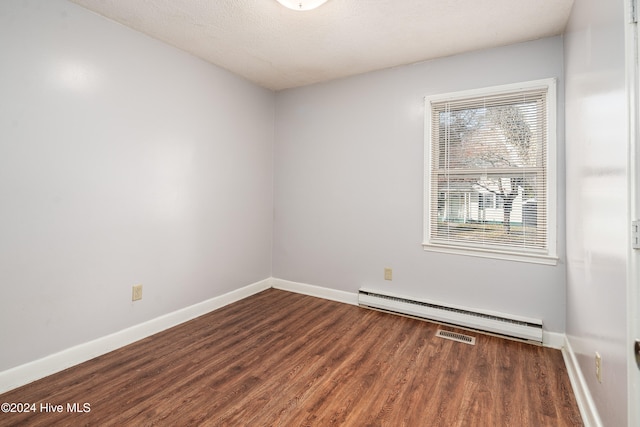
<point x="122" y="161"/>
<point x="349" y="182"/>
<point x="596" y="150"/>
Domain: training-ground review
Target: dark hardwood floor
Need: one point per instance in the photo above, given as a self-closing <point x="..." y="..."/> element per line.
<point x="284" y="359"/>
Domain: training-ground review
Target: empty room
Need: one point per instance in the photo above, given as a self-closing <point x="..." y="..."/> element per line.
<point x="339" y="212"/>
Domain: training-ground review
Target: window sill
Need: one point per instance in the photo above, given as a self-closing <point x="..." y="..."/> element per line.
<point x="493" y="254"/>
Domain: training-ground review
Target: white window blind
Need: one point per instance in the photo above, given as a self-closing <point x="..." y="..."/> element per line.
<point x="488" y="171"/>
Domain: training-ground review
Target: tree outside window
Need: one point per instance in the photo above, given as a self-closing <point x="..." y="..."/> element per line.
<point x="488" y="169"/>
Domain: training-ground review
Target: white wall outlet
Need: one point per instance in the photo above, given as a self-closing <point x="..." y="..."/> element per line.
<point x="388" y="273"/>
<point x="137" y="293"/>
<point x="598" y="367"/>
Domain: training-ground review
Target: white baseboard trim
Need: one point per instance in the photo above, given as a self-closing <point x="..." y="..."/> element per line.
<point x="32" y="371"/>
<point x="588" y="410"/>
<point x="315" y="291"/>
<point x="553" y="340"/>
<point x="549" y="339"/>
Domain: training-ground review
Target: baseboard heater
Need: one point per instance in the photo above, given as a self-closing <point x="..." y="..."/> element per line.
<point x="508" y="326"/>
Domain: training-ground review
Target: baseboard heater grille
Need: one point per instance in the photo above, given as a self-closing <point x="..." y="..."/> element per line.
<point x="494" y="323"/>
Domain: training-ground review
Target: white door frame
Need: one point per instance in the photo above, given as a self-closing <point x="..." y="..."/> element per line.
<point x="633" y="264"/>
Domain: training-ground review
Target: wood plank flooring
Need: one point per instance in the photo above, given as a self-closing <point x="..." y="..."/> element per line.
<point x="284" y="359"/>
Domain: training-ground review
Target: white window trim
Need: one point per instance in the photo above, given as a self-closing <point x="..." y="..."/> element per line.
<point x="548" y="257"/>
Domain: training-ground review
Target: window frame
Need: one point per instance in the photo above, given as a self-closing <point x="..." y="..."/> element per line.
<point x="547" y="256"/>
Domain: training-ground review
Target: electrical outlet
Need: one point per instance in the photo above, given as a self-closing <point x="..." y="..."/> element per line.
<point x="598" y="367"/>
<point x="137" y="293"/>
<point x="388" y="274"/>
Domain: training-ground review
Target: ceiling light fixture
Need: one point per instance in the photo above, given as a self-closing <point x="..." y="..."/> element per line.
<point x="301" y="4"/>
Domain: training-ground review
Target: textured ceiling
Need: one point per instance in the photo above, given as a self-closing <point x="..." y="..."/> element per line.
<point x="278" y="48"/>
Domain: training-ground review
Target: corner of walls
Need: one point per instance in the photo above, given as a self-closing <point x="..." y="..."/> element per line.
<point x="554" y="340"/>
<point x="315" y="291"/>
<point x="587" y="407"/>
<point x="124" y="161"/>
<point x="349" y="180"/>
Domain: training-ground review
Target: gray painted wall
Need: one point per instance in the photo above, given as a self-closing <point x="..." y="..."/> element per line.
<point x="349" y="186"/>
<point x="122" y="161"/>
<point x="597" y="241"/>
<point x="126" y="161"/>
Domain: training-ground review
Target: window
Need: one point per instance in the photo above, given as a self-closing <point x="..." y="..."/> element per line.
<point x="490" y="172"/>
